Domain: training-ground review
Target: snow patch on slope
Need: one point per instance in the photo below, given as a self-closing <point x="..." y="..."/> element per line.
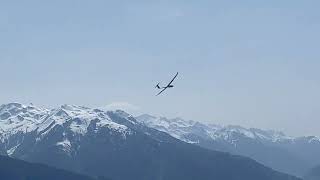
<point x="12" y="150"/>
<point x="65" y="145"/>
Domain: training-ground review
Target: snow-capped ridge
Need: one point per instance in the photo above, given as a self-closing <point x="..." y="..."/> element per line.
<point x="183" y="129"/>
<point x="18" y="120"/>
<point x="16" y="117"/>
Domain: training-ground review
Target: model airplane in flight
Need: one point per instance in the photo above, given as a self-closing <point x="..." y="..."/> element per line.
<point x="166" y="87"/>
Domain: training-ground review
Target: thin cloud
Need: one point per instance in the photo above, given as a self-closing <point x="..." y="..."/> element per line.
<point x="125" y="106"/>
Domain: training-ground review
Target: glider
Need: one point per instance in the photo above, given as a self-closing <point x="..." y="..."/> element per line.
<point x="166" y="87"/>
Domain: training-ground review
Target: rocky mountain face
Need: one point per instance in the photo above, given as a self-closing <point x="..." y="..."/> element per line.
<point x="114" y="144"/>
<point x="271" y="148"/>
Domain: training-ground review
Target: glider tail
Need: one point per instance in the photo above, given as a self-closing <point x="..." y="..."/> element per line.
<point x="157" y="86"/>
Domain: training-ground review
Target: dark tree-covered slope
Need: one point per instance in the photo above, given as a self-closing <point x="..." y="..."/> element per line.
<point x="12" y="169"/>
<point x="313" y="174"/>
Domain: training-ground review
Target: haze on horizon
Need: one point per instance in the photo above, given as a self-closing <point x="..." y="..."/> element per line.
<point x="254" y="64"/>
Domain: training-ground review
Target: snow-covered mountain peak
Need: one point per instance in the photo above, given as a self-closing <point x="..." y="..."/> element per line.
<point x="18" y="118"/>
<point x="176" y="127"/>
<point x="64" y="124"/>
<point x="16" y="109"/>
<point x="73" y="111"/>
<point x="148" y="119"/>
<point x="314" y="139"/>
<point x="15" y="117"/>
<point x="309" y="139"/>
<point x="78" y="119"/>
<point x="188" y="130"/>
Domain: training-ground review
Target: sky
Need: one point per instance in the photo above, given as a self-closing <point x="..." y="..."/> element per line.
<point x="247" y="62"/>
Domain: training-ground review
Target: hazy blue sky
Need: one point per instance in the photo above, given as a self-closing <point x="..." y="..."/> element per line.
<point x="247" y="62"/>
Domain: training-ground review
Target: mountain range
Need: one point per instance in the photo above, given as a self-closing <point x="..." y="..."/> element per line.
<point x="293" y="155"/>
<point x="119" y="146"/>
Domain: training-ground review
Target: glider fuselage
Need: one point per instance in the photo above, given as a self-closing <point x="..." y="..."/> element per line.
<point x="166" y="87"/>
